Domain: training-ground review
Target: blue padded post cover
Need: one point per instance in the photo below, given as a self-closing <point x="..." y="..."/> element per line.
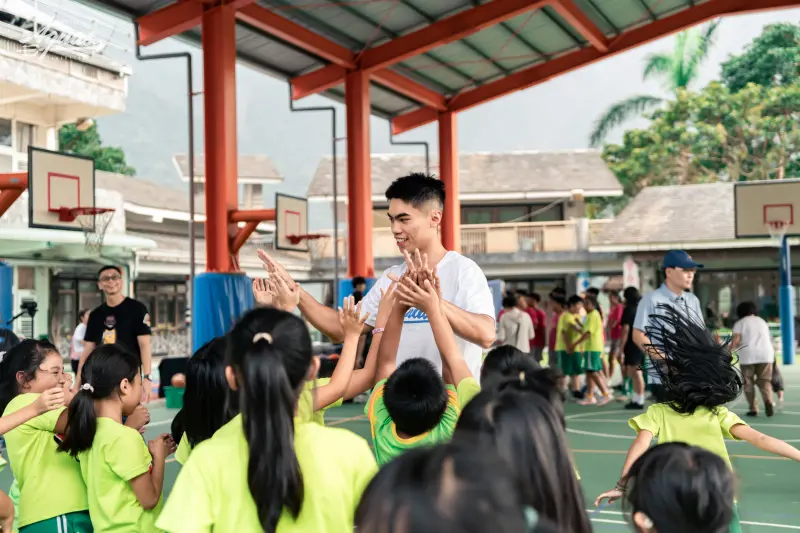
<point x="219" y="301"/>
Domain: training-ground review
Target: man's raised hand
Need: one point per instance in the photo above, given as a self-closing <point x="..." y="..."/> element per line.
<point x="423" y="298"/>
<point x="287" y="293"/>
<point x="274" y="268"/>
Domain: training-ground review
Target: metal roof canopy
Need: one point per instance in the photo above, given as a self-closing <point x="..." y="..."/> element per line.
<point x="427" y="57"/>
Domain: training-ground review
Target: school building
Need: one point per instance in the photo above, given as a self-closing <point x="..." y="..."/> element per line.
<point x="523" y="214"/>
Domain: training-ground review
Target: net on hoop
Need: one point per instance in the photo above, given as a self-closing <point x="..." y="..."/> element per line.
<point x="318" y="244"/>
<point x="94" y="222"/>
<point x="777" y="229"/>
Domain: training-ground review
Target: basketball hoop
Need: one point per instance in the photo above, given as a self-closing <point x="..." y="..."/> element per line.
<point x="316" y="242"/>
<point x="94" y="222"/>
<point x="777" y="229"/>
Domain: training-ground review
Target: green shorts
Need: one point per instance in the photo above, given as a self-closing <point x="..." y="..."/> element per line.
<point x="66" y="523"/>
<point x="593" y="361"/>
<point x="571" y="363"/>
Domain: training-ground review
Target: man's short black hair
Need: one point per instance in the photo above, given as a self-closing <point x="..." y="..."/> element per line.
<point x="417" y="189"/>
<point x="358" y="280"/>
<point x="594" y="291"/>
<point x="415" y="397"/>
<point x="510" y="301"/>
<point x="109" y="267"/>
<point x="746" y="309"/>
<point x="535" y="297"/>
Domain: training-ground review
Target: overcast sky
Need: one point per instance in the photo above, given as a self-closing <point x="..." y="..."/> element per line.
<point x="556" y="115"/>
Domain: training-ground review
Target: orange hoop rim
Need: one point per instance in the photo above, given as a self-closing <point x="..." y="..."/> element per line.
<point x="297" y="239"/>
<point x="69" y="214"/>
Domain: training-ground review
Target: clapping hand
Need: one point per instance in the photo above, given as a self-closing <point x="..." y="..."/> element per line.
<point x="388" y="299"/>
<point x="351" y="318"/>
<point x="287" y="293"/>
<point x="424" y="298"/>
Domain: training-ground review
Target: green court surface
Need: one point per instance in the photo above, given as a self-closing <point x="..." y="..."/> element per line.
<point x="769" y="499"/>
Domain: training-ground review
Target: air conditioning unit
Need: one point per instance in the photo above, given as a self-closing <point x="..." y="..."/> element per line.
<point x="22" y="165"/>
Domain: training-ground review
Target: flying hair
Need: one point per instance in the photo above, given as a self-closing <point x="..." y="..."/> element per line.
<point x="695" y="369"/>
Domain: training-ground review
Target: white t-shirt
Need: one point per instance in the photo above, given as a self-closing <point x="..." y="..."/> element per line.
<point x="755" y="346"/>
<point x="463" y="285"/>
<point x="77" y="337"/>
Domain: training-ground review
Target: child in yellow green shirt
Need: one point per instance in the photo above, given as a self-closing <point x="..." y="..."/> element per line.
<point x="699" y="377"/>
<point x="124" y="477"/>
<point x="570" y="331"/>
<point x="593" y="347"/>
<point x="52" y="490"/>
<point x="412" y="405"/>
<point x="266" y="469"/>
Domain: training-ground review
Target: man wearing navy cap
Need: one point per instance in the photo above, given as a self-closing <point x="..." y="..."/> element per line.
<point x="679" y="270"/>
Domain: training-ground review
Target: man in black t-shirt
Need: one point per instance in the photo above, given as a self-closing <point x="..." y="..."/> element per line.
<point x="120" y="320"/>
<point x="633" y="356"/>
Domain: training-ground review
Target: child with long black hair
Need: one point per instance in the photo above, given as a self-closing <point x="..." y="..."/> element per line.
<point x="123" y="475"/>
<point x="456" y="487"/>
<point x="52" y="491"/>
<point x="677" y="488"/>
<point x="523" y="420"/>
<point x="699" y="379"/>
<point x="265" y="469"/>
<point x="205" y="401"/>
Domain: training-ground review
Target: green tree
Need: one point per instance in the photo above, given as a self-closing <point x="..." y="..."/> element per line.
<point x="678" y="70"/>
<point x="773" y="58"/>
<point x="712" y="135"/>
<point x="89" y="143"/>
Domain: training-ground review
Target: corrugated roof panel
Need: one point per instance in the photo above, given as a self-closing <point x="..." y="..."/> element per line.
<point x="543" y="33"/>
<point x="389" y="100"/>
<point x="504" y="47"/>
<point x="460" y="56"/>
<point x="426" y="66"/>
<point x="666" y="7"/>
<point x="327" y="20"/>
<point x="624" y="13"/>
<point x="394" y="16"/>
<point x="284" y="58"/>
<point x="440" y="8"/>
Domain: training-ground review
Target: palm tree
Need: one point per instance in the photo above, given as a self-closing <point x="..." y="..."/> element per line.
<point x="678" y="69"/>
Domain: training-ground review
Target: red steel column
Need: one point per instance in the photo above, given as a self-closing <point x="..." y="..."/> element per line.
<point x="359" y="176"/>
<point x="219" y="96"/>
<point x="448" y="171"/>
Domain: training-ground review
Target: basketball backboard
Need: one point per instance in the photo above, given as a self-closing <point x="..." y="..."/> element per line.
<point x="758" y="203"/>
<point x="55" y="181"/>
<point x="291" y="220"/>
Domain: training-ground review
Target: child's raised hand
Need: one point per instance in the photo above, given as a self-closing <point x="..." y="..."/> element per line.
<point x="161" y="446"/>
<point x="261" y="292"/>
<point x="388" y="297"/>
<point x="49" y="400"/>
<point x="351" y="319"/>
<point x="612" y="496"/>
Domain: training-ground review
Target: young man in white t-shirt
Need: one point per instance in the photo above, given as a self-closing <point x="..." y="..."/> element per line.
<point x="752" y="342"/>
<point x="416" y="202"/>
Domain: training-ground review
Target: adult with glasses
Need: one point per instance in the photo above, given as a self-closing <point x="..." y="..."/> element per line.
<point x="120" y="320"/>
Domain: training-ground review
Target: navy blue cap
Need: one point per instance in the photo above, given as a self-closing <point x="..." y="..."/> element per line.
<point x="679" y="259"/>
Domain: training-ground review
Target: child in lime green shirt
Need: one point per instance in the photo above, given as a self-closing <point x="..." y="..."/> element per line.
<point x="123" y="475"/>
<point x="267" y="469"/>
<point x="699" y="378"/>
<point x="593" y="348"/>
<point x="572" y="336"/>
<point x="415" y="405"/>
<point x="52" y="491"/>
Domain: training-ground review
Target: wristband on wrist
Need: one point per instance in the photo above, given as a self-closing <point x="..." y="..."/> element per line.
<point x="377" y="331"/>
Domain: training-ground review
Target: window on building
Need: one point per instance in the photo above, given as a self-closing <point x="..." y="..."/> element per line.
<point x="26" y="136"/>
<point x="26" y="278"/>
<point x="5" y="132"/>
<point x="502" y="214"/>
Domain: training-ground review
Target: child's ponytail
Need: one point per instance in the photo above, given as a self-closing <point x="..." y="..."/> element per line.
<point x="268" y="404"/>
<point x="104" y="370"/>
<point x="270" y="353"/>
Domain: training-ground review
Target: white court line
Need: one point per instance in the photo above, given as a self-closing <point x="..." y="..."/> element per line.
<point x="156" y="424"/>
<point x="620" y="420"/>
<point x="617" y="513"/>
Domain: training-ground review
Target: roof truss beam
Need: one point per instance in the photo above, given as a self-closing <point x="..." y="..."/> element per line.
<point x="579" y="58"/>
<point x="581" y="22"/>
